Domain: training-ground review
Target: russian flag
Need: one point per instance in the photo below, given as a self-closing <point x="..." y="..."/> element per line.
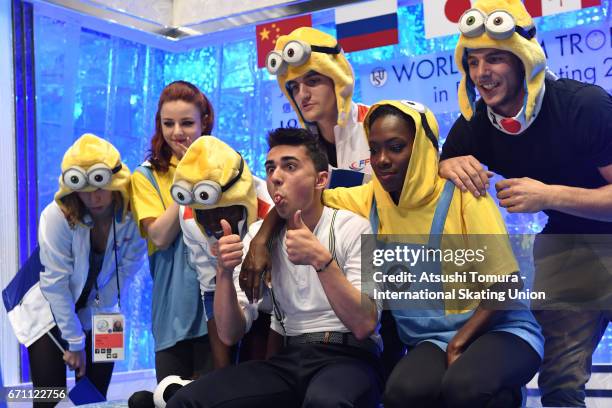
<point x="368" y="24"/>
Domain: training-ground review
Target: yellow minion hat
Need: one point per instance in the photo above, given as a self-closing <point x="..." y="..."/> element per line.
<point x="504" y="25"/>
<point x="93" y="163"/>
<point x="307" y="49"/>
<point x="420" y="184"/>
<point x="211" y="174"/>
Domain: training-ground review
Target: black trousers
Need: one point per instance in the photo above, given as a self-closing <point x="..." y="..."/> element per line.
<point x="394" y="349"/>
<point x="48" y="369"/>
<point x="310" y="375"/>
<point x="489" y="373"/>
<point x="574" y="270"/>
<point x="188" y="358"/>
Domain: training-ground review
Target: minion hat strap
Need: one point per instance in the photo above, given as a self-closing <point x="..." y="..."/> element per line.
<point x="236" y="178"/>
<point x="527" y="34"/>
<point x="326" y="50"/>
<point x="117" y="169"/>
<point x="428" y="132"/>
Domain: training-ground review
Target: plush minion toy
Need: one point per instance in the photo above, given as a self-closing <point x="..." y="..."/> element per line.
<point x="92" y="163"/>
<point x="307" y="49"/>
<point x="211" y="175"/>
<point x="504" y="25"/>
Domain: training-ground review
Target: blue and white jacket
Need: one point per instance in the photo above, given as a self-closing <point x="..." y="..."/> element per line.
<point x="64" y="254"/>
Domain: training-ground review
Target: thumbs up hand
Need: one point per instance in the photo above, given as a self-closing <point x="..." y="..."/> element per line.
<point x="298" y="222"/>
<point x="229" y="250"/>
<point x="303" y="247"/>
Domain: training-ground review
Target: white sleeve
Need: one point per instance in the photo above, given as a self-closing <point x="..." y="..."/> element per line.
<point x="349" y="241"/>
<point x="55" y="240"/>
<point x="199" y="255"/>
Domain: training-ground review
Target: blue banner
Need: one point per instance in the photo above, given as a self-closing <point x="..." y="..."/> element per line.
<point x="582" y="53"/>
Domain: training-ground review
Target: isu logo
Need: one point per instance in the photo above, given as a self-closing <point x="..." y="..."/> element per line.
<point x="378" y="77"/>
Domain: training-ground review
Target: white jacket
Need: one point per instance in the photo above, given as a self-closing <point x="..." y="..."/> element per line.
<point x="64" y="253"/>
<point x="352" y="149"/>
<point x="200" y="255"/>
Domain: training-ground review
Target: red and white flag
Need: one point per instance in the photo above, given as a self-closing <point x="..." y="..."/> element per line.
<point x="441" y="16"/>
<point x="538" y="8"/>
<point x="268" y="33"/>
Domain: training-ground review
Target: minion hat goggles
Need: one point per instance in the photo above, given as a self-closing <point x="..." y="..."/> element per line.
<point x="295" y="53"/>
<point x="499" y="25"/>
<point x="503" y="25"/>
<point x="307" y="49"/>
<point x="422" y="110"/>
<point x="97" y="176"/>
<point x="418" y="107"/>
<point x="92" y="163"/>
<point x="206" y="192"/>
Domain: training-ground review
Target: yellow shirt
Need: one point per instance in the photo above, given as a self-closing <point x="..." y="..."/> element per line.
<point x="145" y="199"/>
<point x="471" y="223"/>
<point x="467" y="218"/>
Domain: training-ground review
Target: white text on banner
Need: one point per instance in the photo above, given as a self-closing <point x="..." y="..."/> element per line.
<point x="581" y="53"/>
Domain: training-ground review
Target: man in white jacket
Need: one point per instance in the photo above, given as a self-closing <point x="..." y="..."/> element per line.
<point x="318" y="81"/>
<point x="212" y="181"/>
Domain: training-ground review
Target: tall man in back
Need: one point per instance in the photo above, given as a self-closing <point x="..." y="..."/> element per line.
<point x="552" y="140"/>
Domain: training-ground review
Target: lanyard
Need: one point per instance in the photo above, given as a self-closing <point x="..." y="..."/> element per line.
<point x="97" y="300"/>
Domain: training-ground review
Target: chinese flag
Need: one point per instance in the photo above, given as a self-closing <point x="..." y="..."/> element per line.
<point x="269" y="32"/>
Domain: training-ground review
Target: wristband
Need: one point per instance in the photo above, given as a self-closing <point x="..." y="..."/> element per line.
<point x="324" y="267"/>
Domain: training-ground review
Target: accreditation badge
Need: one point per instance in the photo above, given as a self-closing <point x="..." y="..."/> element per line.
<point x="108" y="340"/>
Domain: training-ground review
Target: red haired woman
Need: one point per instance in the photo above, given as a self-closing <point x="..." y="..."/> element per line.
<point x="178" y="320"/>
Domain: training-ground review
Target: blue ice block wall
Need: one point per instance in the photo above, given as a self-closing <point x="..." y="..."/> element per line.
<point x="87" y="81"/>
